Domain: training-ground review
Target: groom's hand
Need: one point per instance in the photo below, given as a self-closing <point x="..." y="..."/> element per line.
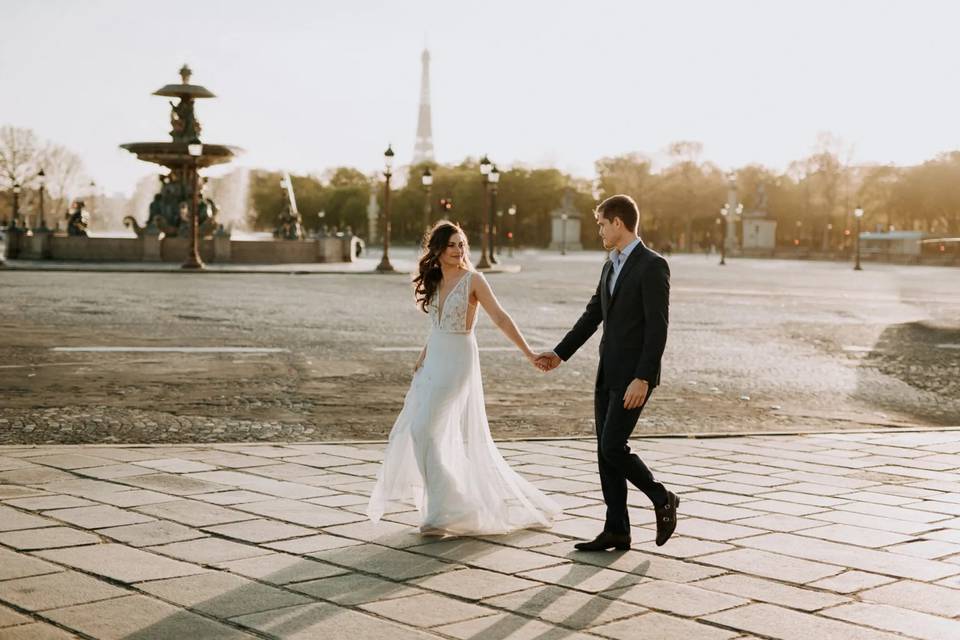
<point x="548" y="361"/>
<point x="636" y="394"/>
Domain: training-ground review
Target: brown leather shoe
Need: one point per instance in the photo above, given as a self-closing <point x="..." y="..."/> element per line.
<point x="604" y="541"/>
<point x="667" y="518"/>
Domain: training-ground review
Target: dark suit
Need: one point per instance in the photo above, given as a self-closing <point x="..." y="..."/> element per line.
<point x="634" y="321"/>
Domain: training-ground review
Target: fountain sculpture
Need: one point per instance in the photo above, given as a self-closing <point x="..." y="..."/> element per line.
<point x="181" y="186"/>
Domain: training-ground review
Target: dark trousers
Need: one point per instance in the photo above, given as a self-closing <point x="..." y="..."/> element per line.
<point x="617" y="463"/>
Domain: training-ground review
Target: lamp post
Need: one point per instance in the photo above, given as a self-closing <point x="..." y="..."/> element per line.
<point x="494" y="178"/>
<point x="193" y="261"/>
<point x="512" y="212"/>
<point x="485" y="165"/>
<point x="724" y="210"/>
<point x="499" y="230"/>
<point x="42" y="226"/>
<point x="16" y="201"/>
<point x="92" y="187"/>
<point x="385" y="266"/>
<point x="427" y="181"/>
<point x="858" y="213"/>
<point x="732" y="198"/>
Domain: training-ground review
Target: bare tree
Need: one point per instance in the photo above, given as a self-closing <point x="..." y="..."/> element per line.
<point x="65" y="176"/>
<point x="19" y="155"/>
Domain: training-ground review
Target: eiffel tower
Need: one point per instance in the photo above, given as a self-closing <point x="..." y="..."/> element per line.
<point x="423" y="151"/>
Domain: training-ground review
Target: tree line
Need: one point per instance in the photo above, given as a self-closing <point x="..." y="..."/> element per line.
<point x="22" y="157"/>
<point x="680" y="194"/>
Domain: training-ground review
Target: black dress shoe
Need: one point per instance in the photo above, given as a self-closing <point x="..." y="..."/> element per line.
<point x="667" y="518"/>
<point x="604" y="541"/>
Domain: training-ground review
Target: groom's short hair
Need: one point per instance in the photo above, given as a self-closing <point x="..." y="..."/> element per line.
<point x="620" y="206"/>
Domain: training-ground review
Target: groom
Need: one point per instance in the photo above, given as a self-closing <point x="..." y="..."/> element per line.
<point x="631" y="301"/>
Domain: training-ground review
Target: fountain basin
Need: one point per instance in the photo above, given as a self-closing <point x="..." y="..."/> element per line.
<point x="175" y="154"/>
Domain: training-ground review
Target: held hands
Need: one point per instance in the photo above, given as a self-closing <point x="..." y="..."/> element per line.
<point x="546" y="361"/>
<point x="636" y="394"/>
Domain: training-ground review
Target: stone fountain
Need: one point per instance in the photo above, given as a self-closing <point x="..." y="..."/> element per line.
<point x="169" y="211"/>
<point x="182" y="221"/>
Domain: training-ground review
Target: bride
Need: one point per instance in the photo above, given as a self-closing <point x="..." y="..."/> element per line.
<point x="440" y="456"/>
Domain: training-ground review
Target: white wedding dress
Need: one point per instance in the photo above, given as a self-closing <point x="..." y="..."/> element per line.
<point x="441" y="457"/>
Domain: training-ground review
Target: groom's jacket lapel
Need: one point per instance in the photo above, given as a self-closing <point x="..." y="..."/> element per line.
<point x="605" y="275"/>
<point x="632" y="260"/>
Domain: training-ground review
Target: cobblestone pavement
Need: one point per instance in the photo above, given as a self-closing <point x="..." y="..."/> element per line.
<point x="758" y="345"/>
<point x="834" y="535"/>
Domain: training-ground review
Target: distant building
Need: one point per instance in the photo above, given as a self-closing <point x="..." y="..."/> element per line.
<point x="423" y="150"/>
<point x="891" y="244"/>
<point x="759" y="234"/>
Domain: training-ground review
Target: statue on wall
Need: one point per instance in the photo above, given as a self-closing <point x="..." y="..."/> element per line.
<point x="761" y="198"/>
<point x="289" y="224"/>
<point x="78" y="221"/>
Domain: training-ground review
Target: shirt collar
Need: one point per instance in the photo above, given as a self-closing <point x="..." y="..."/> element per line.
<point x="625" y="253"/>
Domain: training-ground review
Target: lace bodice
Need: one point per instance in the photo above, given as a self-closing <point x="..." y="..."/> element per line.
<point x="455" y="313"/>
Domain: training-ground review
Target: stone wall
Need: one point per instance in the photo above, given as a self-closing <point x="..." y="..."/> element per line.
<point x="154" y="248"/>
<point x="95" y="249"/>
<point x="273" y="251"/>
<point x="175" y="250"/>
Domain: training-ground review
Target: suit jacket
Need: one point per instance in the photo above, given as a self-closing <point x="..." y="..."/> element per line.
<point x="634" y="318"/>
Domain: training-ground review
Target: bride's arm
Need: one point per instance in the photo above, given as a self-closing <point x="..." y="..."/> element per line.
<point x="502" y="319"/>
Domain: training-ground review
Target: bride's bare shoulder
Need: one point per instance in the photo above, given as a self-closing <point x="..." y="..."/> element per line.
<point x="479" y="283"/>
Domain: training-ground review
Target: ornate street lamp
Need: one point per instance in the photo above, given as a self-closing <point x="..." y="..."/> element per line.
<point x="427" y="181"/>
<point x="385" y="266"/>
<point x="194" y="151"/>
<point x="92" y="188"/>
<point x="16" y="201"/>
<point x="858" y="213"/>
<point x="724" y="210"/>
<point x="499" y="229"/>
<point x="485" y="165"/>
<point x="494" y="178"/>
<point x="512" y="212"/>
<point x="42" y="177"/>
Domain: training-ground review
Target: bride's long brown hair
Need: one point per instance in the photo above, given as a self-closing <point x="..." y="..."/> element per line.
<point x="427" y="281"/>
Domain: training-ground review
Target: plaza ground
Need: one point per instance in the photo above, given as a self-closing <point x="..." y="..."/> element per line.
<point x="842" y="535"/>
<point x="269" y="395"/>
<point x="755" y="346"/>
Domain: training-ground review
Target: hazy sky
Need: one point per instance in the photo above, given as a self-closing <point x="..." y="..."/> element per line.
<point x="306" y="85"/>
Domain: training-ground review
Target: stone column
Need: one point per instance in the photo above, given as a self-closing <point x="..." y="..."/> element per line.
<point x="221" y="245"/>
<point x="40" y="244"/>
<point x="151" y="244"/>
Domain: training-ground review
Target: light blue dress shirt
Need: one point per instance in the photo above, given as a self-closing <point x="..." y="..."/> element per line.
<point x="618" y="258"/>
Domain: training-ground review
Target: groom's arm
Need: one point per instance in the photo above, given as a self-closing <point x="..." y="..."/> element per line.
<point x="585" y="327"/>
<point x="655" y="283"/>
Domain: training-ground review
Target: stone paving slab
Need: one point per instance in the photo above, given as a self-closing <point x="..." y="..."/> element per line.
<point x="56" y="590"/>
<point x="850" y="536"/>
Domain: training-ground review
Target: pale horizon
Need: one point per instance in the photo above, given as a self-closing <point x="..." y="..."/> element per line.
<point x="305" y="87"/>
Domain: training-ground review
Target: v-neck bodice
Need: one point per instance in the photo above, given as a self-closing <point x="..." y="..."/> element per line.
<point x="451" y="314"/>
